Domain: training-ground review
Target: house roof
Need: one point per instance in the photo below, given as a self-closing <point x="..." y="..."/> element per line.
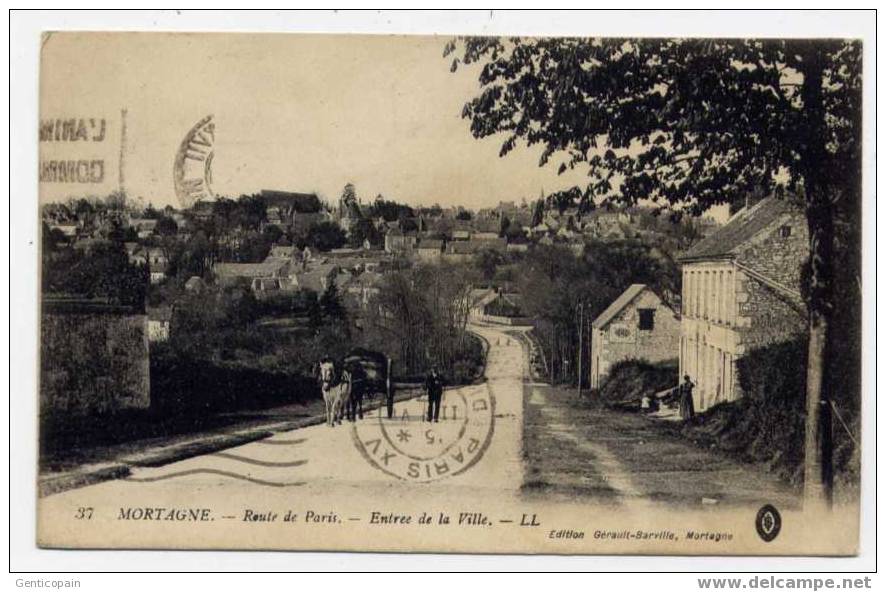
<point x="250" y="270"/>
<point x="463" y="247"/>
<point x="159" y="313"/>
<point x="266" y="284"/>
<point x="738" y="230"/>
<point x="618" y="305"/>
<point x="479" y="294"/>
<point x="300" y="202"/>
<point x="430" y="243"/>
<point x="282" y="251"/>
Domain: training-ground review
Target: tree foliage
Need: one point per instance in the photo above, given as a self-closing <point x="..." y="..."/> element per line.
<point x="102" y="272"/>
<point x="683" y="122"/>
<point x="390" y="210"/>
<point x="326" y="236"/>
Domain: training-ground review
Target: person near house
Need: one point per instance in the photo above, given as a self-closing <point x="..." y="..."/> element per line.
<point x="687" y="407"/>
<point x="434" y="386"/>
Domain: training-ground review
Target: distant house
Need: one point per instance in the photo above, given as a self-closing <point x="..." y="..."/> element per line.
<point x="157" y="263"/>
<point x="360" y="290"/>
<point x="266" y="286"/>
<point x="429" y="250"/>
<point x="317" y="277"/>
<point x="397" y="241"/>
<point x="493" y="306"/>
<point x="283" y="252"/>
<point x="144" y="227"/>
<point x="484" y="236"/>
<point x="68" y="229"/>
<point x="540" y="229"/>
<point x="461" y="235"/>
<point x="159" y="318"/>
<point x="131" y="249"/>
<point x="460" y="251"/>
<point x="637" y="325"/>
<point x="493" y="243"/>
<point x="286" y="209"/>
<point x="741" y="291"/>
<point x="245" y="273"/>
<point x="479" y="298"/>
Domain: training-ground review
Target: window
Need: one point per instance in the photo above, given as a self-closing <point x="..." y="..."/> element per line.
<point x="784" y="231"/>
<point x="647" y="319"/>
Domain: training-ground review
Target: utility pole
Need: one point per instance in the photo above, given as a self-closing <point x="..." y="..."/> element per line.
<point x="121" y="168"/>
<point x="581" y="325"/>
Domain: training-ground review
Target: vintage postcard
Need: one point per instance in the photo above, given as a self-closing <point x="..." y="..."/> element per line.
<point x="551" y="295"/>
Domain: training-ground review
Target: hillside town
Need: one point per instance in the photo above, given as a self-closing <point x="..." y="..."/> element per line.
<point x="279" y="265"/>
<point x="677" y="323"/>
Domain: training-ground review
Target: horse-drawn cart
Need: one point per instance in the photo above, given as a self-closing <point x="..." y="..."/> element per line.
<point x="371" y="375"/>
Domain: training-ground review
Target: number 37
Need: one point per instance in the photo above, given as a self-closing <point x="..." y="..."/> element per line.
<point x="83" y="514"/>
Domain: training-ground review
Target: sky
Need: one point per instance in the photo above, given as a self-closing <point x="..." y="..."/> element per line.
<point x="292" y="112"/>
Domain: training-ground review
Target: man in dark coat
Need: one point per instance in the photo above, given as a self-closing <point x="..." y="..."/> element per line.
<point x="687" y="406"/>
<point x="434" y="386"/>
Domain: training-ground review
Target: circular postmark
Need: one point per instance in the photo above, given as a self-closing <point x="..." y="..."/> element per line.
<point x="768" y="523"/>
<point x="409" y="447"/>
<point x="192" y="169"/>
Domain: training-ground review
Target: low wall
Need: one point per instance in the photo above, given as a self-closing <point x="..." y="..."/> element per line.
<point x="94" y="358"/>
<point x="497" y="320"/>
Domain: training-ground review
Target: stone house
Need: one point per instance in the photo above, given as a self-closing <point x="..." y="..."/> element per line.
<point x="159" y="318"/>
<point x="144" y="227"/>
<point x="288" y="252"/>
<point x="360" y="290"/>
<point x="638" y="325"/>
<point x="244" y="273"/>
<point x="397" y="241"/>
<point x="429" y="250"/>
<point x="158" y="264"/>
<point x="741" y="291"/>
<point x="317" y="278"/>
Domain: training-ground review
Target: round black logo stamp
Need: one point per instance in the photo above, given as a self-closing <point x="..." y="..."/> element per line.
<point x="768" y="523"/>
<point x="409" y="447"/>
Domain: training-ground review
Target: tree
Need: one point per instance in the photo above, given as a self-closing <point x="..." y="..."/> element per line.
<point x="503" y="226"/>
<point x="348" y="199"/>
<point x="391" y="211"/>
<point x="151" y="212"/>
<point x="102" y="272"/>
<point x="364" y="229"/>
<point x="487" y="262"/>
<point x="688" y="124"/>
<point x="166" y="226"/>
<point x="325" y="236"/>
<point x="330" y="303"/>
<point x="538" y="214"/>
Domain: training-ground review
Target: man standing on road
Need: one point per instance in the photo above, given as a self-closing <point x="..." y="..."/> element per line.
<point x="434" y="386"/>
<point x="687" y="406"/>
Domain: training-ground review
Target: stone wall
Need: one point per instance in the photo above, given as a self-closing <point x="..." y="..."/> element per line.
<point x="766" y="314"/>
<point x="778" y="257"/>
<point x="94" y="358"/>
<point x="660" y="344"/>
<point x="757" y="313"/>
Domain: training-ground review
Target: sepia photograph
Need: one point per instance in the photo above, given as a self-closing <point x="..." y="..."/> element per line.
<point x="525" y="294"/>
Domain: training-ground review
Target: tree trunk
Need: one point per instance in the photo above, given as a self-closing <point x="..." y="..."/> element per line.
<point x="818" y="473"/>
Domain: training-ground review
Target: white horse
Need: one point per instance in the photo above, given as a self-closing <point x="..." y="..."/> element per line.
<point x="335" y="395"/>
